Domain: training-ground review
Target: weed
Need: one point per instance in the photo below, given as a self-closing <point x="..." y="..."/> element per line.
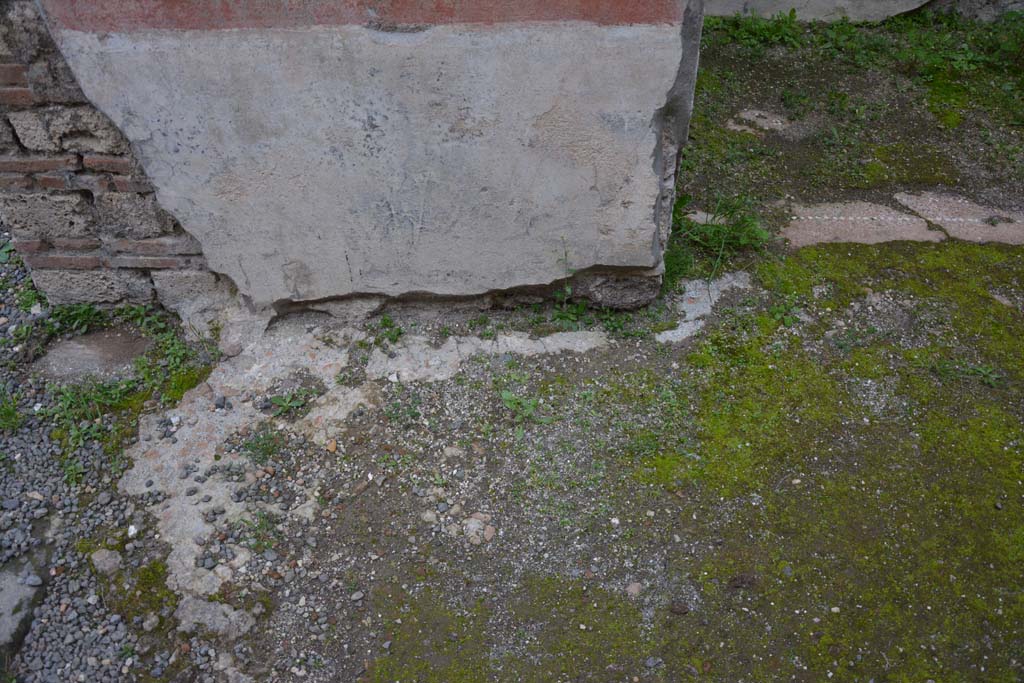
<point x="263" y="445"/>
<point x="524" y="409"/>
<point x="757" y="34"/>
<point x="10" y="418"/>
<point x="262" y="532"/>
<point x="786" y="312"/>
<point x="733" y="228"/>
<point x="75" y="319"/>
<point x="6" y="251"/>
<point x="386" y="331"/>
<point x="797" y="104"/>
<point x="286" y="404"/>
<point x="27" y="297"/>
<point x="73" y="471"/>
<point x="986" y="374"/>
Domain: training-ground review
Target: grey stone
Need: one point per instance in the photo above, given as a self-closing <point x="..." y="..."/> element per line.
<point x="104" y="354"/>
<point x="618" y="290"/>
<point x="131" y="215"/>
<point x="93" y="286"/>
<point x="7" y="141"/>
<point x="33" y="134"/>
<point x="47" y="216"/>
<point x="195" y="613"/>
<point x="15" y="596"/>
<point x="966" y="220"/>
<point x="106" y="561"/>
<point x="52" y="81"/>
<point x="986" y="10"/>
<point x="199" y="297"/>
<point x="26" y="36"/>
<point x="456" y="160"/>
<point x="828" y="10"/>
<point x="855" y="222"/>
<point x="69" y="129"/>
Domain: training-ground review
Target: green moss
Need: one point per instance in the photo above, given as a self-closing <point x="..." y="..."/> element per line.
<point x="761" y="410"/>
<point x="880" y="547"/>
<point x="868" y="363"/>
<point x="431" y="641"/>
<point x="907" y="163"/>
<point x="947" y="100"/>
<point x="578" y="632"/>
<point x="958" y="278"/>
<point x="185" y="380"/>
<point x="141" y="592"/>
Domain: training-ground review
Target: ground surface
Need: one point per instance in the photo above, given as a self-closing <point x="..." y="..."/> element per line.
<point x="799" y="465"/>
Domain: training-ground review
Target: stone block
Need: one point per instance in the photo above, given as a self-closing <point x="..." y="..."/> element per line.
<point x="93" y="286"/>
<point x="24" y="32"/>
<point x="126" y="214"/>
<point x="810" y="10"/>
<point x="457" y="151"/>
<point x="32" y="131"/>
<point x="618" y="290"/>
<point x="79" y="129"/>
<point x="198" y="296"/>
<point x="46" y="216"/>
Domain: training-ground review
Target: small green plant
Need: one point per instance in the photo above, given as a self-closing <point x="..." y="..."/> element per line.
<point x="786" y="312"/>
<point x="524" y="409"/>
<point x="263" y="445"/>
<point x="985" y="374"/>
<point x="6" y="251"/>
<point x="74" y="470"/>
<point x="286" y="404"/>
<point x="387" y="331"/>
<point x="703" y="248"/>
<point x="262" y="533"/>
<point x="75" y="319"/>
<point x="10" y="417"/>
<point x="757" y="34"/>
<point x="27" y="297"/>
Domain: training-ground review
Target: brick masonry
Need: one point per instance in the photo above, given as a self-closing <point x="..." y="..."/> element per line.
<point x="79" y="208"/>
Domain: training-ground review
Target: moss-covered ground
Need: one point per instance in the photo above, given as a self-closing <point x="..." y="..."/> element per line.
<point x="846" y="481"/>
<point x="828" y="483"/>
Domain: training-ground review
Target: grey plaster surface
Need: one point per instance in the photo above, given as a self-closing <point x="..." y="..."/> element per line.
<point x="316" y="163"/>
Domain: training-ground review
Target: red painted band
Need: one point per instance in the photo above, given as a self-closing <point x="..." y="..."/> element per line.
<point x="132" y="15"/>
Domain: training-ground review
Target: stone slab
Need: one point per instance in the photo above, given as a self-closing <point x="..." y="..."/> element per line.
<point x="856" y="222"/>
<point x="696" y="303"/>
<point x="808" y="10"/>
<point x="965" y="220"/>
<point x="15" y="603"/>
<point x="104" y="355"/>
<point x="318" y="150"/>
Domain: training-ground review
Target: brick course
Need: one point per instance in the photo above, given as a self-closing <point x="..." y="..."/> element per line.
<point x="14" y="74"/>
<point x="16" y="97"/>
<point x="37" y="164"/>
